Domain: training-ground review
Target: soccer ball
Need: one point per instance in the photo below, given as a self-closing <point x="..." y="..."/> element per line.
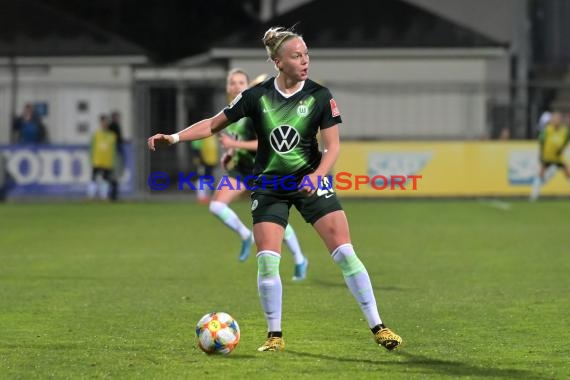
<point x="218" y="333"/>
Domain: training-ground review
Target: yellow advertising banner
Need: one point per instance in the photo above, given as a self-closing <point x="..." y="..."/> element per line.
<point x="440" y="169"/>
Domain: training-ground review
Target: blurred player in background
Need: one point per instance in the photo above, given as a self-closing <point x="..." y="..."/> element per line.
<point x="206" y="151"/>
<point x="241" y="143"/>
<point x="28" y="128"/>
<point x="552" y="139"/>
<point x="103" y="154"/>
<point x="115" y="127"/>
<point x="287" y="111"/>
<point x="543" y="120"/>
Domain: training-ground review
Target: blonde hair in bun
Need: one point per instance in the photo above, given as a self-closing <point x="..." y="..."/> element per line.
<point x="274" y="38"/>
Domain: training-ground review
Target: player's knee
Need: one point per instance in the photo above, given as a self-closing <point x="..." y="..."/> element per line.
<point x="346" y="258"/>
<point x="343" y="250"/>
<point x="333" y="224"/>
<point x="268" y="264"/>
<point x="335" y="236"/>
<point x="329" y="230"/>
<point x="217" y="207"/>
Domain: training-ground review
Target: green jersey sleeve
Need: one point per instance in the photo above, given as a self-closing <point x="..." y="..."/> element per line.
<point x="240" y="107"/>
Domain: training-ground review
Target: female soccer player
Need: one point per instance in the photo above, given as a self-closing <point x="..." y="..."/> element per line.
<point x="287" y="111"/>
<point x="238" y="162"/>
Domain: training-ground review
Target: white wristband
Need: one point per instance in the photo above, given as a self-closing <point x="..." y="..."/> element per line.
<point x="175" y="138"/>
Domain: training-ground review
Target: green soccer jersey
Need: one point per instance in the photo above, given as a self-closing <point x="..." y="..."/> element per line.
<point x="286" y="126"/>
<point x="243" y="159"/>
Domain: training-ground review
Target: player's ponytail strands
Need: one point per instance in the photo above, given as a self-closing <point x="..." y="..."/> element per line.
<point x="275" y="37"/>
<point x="280" y="42"/>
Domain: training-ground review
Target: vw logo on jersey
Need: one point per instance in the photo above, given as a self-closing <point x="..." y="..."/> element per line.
<point x="302" y="110"/>
<point x="284" y="139"/>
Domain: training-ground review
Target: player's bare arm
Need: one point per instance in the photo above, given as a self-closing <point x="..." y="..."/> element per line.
<point x="200" y="130"/>
<point x="331" y="149"/>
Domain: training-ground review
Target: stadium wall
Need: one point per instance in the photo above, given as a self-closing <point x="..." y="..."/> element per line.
<point x="407" y="94"/>
<point x="73" y="96"/>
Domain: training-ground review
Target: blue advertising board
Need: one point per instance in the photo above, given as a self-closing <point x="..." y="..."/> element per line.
<point x="55" y="170"/>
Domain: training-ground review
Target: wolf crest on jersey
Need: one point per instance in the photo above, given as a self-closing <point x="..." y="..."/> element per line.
<point x="302" y="109"/>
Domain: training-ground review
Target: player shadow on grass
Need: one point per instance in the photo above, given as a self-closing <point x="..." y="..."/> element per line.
<point x="236" y="356"/>
<point x="428" y="365"/>
<point x="340" y="283"/>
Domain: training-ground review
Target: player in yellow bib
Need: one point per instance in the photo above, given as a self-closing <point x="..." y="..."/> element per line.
<point x="207" y="158"/>
<point x="102" y="154"/>
<point x="553" y="140"/>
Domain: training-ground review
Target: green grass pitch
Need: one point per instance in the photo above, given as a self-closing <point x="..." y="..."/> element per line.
<point x="477" y="291"/>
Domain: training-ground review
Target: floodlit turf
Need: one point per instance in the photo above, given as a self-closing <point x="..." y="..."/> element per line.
<point x="476" y="289"/>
